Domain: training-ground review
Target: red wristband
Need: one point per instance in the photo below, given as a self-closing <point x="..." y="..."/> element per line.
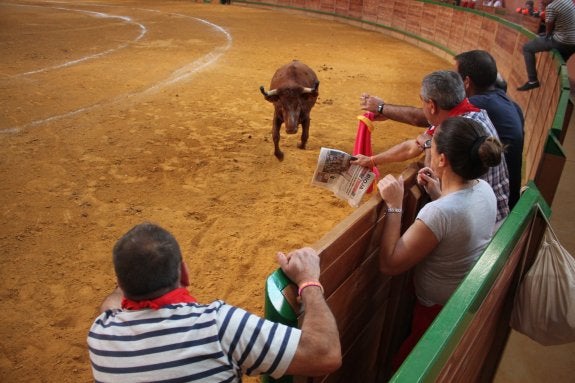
<point x="308" y="284"/>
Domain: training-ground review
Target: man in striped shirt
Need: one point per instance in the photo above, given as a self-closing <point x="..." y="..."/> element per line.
<point x="559" y="35"/>
<point x="152" y="329"/>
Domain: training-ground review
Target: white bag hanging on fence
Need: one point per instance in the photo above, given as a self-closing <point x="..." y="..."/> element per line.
<point x="544" y="307"/>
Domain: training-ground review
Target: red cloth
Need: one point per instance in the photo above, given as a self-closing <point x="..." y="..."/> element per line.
<point x="180" y="295"/>
<point x="423" y="316"/>
<point x="363" y="141"/>
<point x="463" y="107"/>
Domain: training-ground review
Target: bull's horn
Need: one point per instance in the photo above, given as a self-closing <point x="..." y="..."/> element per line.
<point x="311" y="90"/>
<point x="272" y="92"/>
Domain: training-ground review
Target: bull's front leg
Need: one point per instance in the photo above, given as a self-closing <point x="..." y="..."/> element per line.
<point x="276" y="137"/>
<point x="304" y="133"/>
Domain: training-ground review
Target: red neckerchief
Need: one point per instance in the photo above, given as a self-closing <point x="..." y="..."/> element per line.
<point x="463" y="107"/>
<point x="180" y="295"/>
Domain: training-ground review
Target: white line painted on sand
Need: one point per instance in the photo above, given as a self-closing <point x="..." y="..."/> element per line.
<point x="126" y="19"/>
<point x="178" y="75"/>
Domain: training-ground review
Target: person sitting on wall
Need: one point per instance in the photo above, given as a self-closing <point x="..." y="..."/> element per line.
<point x="559" y="34"/>
<point x="450" y="232"/>
<point x="442" y="96"/>
<point x="152" y="329"/>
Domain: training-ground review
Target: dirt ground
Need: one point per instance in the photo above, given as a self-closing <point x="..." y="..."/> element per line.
<point x="117" y="112"/>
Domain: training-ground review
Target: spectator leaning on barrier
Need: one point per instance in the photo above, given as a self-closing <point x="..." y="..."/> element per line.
<point x="442" y="96"/>
<point x="451" y="232"/>
<point x="152" y="329"/>
<point x="559" y="34"/>
<point x="479" y="72"/>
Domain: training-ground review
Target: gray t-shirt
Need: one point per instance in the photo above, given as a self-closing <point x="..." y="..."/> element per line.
<point x="463" y="224"/>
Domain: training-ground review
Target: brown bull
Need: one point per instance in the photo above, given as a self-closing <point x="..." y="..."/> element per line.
<point x="293" y="91"/>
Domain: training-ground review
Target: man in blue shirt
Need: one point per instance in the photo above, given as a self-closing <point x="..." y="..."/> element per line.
<point x="479" y="72"/>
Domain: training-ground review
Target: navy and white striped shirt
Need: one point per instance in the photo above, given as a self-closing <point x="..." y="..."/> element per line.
<point x="188" y="342"/>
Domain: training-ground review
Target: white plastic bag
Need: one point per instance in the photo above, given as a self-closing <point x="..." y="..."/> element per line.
<point x="544" y="307"/>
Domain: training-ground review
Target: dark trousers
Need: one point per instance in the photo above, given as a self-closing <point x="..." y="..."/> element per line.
<point x="542" y="44"/>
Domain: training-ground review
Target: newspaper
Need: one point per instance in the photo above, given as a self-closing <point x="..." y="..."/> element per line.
<point x="334" y="172"/>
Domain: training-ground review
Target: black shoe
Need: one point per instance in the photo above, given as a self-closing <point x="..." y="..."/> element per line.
<point x="528" y="86"/>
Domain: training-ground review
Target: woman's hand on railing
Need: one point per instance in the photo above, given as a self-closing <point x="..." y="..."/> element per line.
<point x="391" y="190"/>
<point x="430" y="182"/>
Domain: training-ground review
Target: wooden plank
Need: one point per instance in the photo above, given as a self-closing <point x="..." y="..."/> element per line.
<point x="473" y="31"/>
<point x="352" y="305"/>
<point x="457" y="31"/>
<point x="414" y="17"/>
<point x="328" y="5"/>
<point x="362" y="366"/>
<point x="505" y="39"/>
<point x="445" y="17"/>
<point x="312" y="4"/>
<point x="429" y="23"/>
<point x="348" y="233"/>
<point x="548" y="175"/>
<point x="465" y="364"/>
<point x="385" y="12"/>
<point x="399" y="17"/>
<point x="349" y="260"/>
<point x="342" y="7"/>
<point x="370" y="8"/>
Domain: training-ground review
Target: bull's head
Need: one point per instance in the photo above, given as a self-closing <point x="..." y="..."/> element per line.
<point x="292" y="104"/>
<point x="273" y="94"/>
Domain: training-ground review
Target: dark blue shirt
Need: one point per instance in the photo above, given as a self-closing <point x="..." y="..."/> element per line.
<point x="507" y="117"/>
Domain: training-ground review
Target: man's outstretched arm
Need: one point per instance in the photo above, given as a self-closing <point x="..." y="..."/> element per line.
<point x="400" y="113"/>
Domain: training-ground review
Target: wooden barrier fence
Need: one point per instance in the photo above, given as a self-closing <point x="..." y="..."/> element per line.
<point x="372" y="310"/>
<point x="366" y="304"/>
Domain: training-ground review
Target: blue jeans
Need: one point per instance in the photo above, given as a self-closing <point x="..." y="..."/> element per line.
<point x="542" y="44"/>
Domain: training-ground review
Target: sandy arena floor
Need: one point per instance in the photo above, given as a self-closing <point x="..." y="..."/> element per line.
<point x="116" y="112"/>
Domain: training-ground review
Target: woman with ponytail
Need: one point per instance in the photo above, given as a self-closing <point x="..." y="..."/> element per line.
<point x="450" y="232"/>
